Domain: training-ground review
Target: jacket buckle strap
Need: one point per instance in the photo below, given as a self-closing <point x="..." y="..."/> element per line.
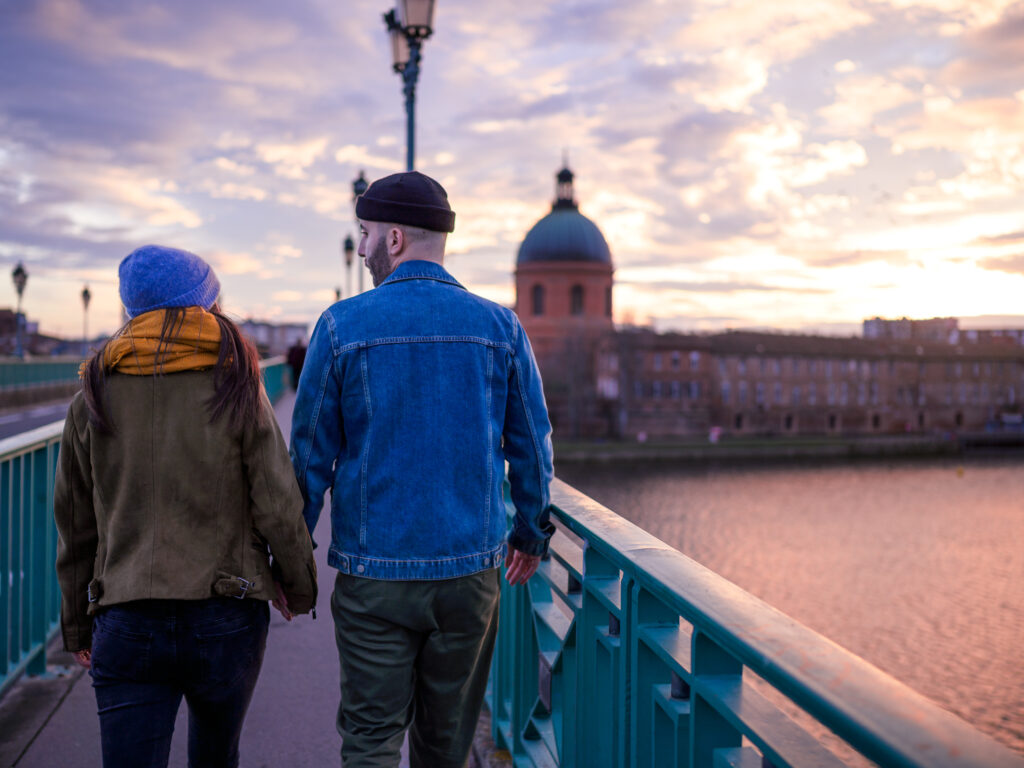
<point x="229" y="585"/>
<point x="243" y="587"/>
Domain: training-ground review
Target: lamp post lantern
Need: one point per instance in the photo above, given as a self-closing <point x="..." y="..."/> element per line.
<point x="19" y="275"/>
<point x="86" y="296"/>
<point x="349" y="248"/>
<point x="359" y="186"/>
<point x="409" y="27"/>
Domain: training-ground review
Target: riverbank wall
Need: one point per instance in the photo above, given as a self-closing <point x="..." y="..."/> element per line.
<point x="781" y="449"/>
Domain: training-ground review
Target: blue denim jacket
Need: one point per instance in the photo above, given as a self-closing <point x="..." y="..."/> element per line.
<point x="411" y="399"/>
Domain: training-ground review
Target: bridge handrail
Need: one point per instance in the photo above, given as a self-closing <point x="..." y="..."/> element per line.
<point x="29" y="595"/>
<point x="622" y="616"/>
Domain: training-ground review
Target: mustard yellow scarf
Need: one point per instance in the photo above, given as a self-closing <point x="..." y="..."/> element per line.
<point x="138" y="350"/>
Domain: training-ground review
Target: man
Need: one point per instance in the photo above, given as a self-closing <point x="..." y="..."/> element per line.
<point x="296" y="357"/>
<point x="413" y="397"/>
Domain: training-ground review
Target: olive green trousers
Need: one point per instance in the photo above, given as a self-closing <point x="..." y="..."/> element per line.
<point x="414" y="655"/>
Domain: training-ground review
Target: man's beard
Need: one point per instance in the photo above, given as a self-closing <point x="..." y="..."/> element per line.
<point x="379" y="263"/>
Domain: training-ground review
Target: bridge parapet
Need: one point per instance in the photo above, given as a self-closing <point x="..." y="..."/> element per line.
<point x="625" y="653"/>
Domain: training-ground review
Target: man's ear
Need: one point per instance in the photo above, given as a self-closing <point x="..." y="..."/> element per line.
<point x="395" y="240"/>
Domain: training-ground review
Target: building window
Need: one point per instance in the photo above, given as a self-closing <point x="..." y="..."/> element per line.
<point x="743" y="393"/>
<point x="831" y="393"/>
<point x="725" y="392"/>
<point x="694" y="361"/>
<point x="638" y="390"/>
<point x="795" y="397"/>
<point x="576" y="300"/>
<point x="874" y="393"/>
<point x="828" y="369"/>
<point x="776" y="366"/>
<point x="812" y="393"/>
<point x="608" y="301"/>
<point x="778" y="393"/>
<point x="538" y="299"/>
<point x="862" y="394"/>
<point x="694" y="390"/>
<point x="676" y="361"/>
<point x="677" y="390"/>
<point x="789" y="422"/>
<point x="741" y="366"/>
<point x="657" y="361"/>
<point x="759" y="393"/>
<point x="656" y="389"/>
<point x="738" y="421"/>
<point x="844" y="393"/>
<point x="812" y="366"/>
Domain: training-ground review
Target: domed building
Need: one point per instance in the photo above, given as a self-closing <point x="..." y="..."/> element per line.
<point x="635" y="383"/>
<point x="564" y="278"/>
<point x="563" y="274"/>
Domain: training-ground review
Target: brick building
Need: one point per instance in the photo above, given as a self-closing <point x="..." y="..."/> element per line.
<point x="901" y="376"/>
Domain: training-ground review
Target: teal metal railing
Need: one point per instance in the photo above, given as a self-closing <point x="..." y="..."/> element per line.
<point x="624" y="653"/>
<point x="29" y="595"/>
<point x="16" y="374"/>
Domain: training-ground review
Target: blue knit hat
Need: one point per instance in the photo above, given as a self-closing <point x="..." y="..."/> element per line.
<point x="156" y="277"/>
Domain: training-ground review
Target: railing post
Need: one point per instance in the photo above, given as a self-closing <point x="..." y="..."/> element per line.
<point x="40" y="563"/>
<point x="598" y="712"/>
<point x="709" y="731"/>
<point x="524" y="667"/>
<point x="659" y="708"/>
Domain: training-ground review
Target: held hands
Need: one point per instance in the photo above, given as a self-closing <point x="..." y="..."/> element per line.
<point x="84" y="657"/>
<point x="520" y="565"/>
<point x="280" y="602"/>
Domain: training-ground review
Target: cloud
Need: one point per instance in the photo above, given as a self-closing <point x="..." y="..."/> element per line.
<point x="1012" y="264"/>
<point x="292" y="160"/>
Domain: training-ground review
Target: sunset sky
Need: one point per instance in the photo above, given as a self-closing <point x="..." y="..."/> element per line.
<point x="793" y="164"/>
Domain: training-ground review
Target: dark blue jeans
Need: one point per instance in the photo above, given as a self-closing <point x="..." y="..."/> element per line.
<point x="148" y="654"/>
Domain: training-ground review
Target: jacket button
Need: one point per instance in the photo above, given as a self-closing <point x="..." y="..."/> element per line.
<point x="360" y="568"/>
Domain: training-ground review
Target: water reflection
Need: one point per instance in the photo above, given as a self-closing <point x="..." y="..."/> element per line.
<point x="917" y="567"/>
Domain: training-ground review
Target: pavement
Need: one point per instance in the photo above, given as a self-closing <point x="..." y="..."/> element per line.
<point x="51" y="720"/>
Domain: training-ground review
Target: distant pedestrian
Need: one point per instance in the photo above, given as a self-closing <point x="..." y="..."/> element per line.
<point x="173" y="490"/>
<point x="296" y="357"/>
<point x="415" y="395"/>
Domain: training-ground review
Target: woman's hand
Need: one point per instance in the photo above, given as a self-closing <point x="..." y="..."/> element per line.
<point x="84" y="657"/>
<point x="280" y="602"/>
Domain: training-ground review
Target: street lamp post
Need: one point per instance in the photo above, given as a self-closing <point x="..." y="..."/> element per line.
<point x="359" y="186"/>
<point x="349" y="248"/>
<point x="20" y="276"/>
<point x="409" y="27"/>
<point x="86" y="296"/>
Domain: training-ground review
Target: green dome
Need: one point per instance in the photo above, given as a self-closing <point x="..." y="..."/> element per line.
<point x="565" y="234"/>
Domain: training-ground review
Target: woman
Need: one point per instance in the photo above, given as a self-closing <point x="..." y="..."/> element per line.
<point x="173" y="491"/>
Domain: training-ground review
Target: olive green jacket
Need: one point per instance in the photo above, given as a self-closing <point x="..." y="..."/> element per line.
<point x="173" y="507"/>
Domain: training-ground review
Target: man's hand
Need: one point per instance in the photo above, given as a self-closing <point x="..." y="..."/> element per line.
<point x="281" y="602"/>
<point x="520" y="566"/>
<point x="84" y="657"/>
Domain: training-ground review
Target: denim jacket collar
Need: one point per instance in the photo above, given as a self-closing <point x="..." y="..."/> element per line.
<point x="421" y="270"/>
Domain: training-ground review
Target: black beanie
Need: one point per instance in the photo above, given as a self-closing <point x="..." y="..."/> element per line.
<point x="409" y="198"/>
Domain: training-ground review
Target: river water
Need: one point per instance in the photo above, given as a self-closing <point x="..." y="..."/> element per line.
<point x="918" y="567"/>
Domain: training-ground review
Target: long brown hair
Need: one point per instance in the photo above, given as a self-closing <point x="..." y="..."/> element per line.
<point x="236" y="376"/>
